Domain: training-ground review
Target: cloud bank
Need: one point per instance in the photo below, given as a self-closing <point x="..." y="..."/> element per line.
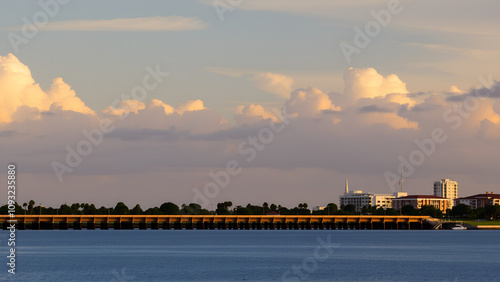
<point x="362" y="131"/>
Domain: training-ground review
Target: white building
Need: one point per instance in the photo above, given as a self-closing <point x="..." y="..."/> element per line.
<point x="360" y="199"/>
<point x="446" y="188"/>
<point x="318" y="208"/>
<point x="382" y="201"/>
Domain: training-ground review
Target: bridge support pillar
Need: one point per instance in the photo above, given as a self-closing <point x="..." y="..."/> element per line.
<point x="46" y="225"/>
<point x="63" y="225"/>
<point x="77" y="225"/>
<point x="90" y="226"/>
<point x="104" y="225"/>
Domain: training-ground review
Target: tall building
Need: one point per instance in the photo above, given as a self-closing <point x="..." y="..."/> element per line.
<point x="446" y="188"/>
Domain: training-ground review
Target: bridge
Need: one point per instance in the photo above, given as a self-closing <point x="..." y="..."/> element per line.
<point x="77" y="222"/>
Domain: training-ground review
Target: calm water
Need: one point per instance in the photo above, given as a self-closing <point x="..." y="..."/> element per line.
<point x="248" y="255"/>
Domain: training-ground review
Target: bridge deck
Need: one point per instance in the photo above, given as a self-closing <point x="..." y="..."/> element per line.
<point x="215" y="221"/>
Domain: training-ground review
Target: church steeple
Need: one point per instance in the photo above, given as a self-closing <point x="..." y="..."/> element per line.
<point x="346" y="186"/>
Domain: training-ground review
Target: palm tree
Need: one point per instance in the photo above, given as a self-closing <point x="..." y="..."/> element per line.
<point x="24" y="206"/>
<point x="31" y="205"/>
<point x="265" y="206"/>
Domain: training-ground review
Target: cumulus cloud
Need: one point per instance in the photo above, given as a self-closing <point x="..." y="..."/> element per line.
<point x="310" y="101"/>
<point x="158" y="103"/>
<point x="274" y="83"/>
<point x="455" y="89"/>
<point x="127" y="24"/>
<point x="191" y="116"/>
<point x="20" y="91"/>
<point x="134" y="106"/>
<point x="368" y="83"/>
<point x="190" y="106"/>
<point x="125" y="107"/>
<point x="252" y="113"/>
<point x="382" y="111"/>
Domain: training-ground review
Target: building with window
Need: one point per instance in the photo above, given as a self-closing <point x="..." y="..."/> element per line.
<point x="359" y="199"/>
<point x="479" y="200"/>
<point x="446" y="188"/>
<point x="417" y="201"/>
<point x="385" y="200"/>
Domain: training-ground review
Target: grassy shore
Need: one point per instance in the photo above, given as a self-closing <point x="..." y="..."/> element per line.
<point x="485" y="222"/>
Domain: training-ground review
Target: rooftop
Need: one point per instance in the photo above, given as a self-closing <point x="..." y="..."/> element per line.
<point x="487" y="196"/>
<point x="420" y="197"/>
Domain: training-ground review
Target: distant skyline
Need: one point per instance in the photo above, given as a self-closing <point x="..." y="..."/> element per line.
<point x="422" y="94"/>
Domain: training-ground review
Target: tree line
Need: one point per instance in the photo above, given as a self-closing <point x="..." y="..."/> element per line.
<point x="227" y="208"/>
<point x="167" y="208"/>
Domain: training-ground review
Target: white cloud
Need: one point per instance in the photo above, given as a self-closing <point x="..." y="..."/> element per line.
<point x="126" y="106"/>
<point x="170" y="23"/>
<point x="455" y="89"/>
<point x="460" y="51"/>
<point x="252" y="113"/>
<point x="316" y="7"/>
<point x="309" y="102"/>
<point x="190" y="106"/>
<point x="166" y="108"/>
<point x="368" y="83"/>
<point x="274" y="83"/>
<point x="18" y="89"/>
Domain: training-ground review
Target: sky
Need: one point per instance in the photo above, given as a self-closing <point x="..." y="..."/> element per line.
<point x="274" y="101"/>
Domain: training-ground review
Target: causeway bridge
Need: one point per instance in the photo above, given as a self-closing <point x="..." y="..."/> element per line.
<point x="78" y="222"/>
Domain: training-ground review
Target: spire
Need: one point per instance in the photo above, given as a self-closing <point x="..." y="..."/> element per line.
<point x="401" y="180"/>
<point x="346" y="186"/>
